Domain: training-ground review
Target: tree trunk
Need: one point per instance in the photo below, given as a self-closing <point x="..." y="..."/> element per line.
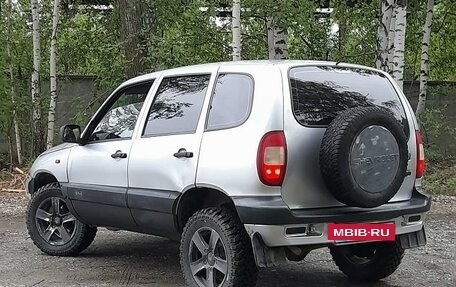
<point x="53" y="76"/>
<point x="386" y="10"/>
<point x="390" y="47"/>
<point x="236" y="30"/>
<point x="399" y="42"/>
<point x="134" y="42"/>
<point x="277" y="39"/>
<point x="10" y="152"/>
<point x="37" y="130"/>
<point x="424" y="71"/>
<point x="17" y="134"/>
<point x="270" y="33"/>
<point x="280" y="43"/>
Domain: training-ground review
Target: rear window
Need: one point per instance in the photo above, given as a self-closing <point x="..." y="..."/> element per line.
<point x="319" y="93"/>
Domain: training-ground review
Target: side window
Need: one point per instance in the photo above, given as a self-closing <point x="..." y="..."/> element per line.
<point x="120" y="119"/>
<point x="231" y="102"/>
<point x="177" y="105"/>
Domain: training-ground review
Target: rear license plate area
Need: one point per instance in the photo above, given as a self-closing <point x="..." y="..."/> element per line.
<point x="349" y="232"/>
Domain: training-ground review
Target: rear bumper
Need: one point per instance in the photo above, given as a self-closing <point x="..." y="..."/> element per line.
<point x="277" y="225"/>
<point x="316" y="233"/>
<point x="272" y="210"/>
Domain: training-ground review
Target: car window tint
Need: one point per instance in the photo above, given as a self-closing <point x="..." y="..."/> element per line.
<point x="320" y="93"/>
<point x="120" y="119"/>
<point x="231" y="102"/>
<point x="177" y="105"/>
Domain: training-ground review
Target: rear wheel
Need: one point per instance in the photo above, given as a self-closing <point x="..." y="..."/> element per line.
<point x="52" y="227"/>
<point x="216" y="250"/>
<point x="368" y="261"/>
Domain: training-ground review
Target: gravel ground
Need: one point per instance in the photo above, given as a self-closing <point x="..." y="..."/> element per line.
<point x="129" y="259"/>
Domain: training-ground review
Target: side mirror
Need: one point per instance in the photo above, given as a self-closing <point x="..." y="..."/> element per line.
<point x="70" y="133"/>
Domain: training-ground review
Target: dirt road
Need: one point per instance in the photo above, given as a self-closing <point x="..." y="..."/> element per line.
<point x="129" y="259"/>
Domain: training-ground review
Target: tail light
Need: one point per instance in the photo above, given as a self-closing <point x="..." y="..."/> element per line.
<point x="420" y="164"/>
<point x="272" y="158"/>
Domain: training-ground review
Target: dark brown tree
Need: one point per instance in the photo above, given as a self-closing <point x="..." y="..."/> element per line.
<point x="134" y="21"/>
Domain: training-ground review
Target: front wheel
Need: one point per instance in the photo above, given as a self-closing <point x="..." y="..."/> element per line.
<point x="216" y="250"/>
<point x="368" y="261"/>
<point x="52" y="227"/>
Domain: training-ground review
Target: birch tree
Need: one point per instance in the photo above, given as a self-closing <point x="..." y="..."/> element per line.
<point x="236" y="30"/>
<point x="37" y="131"/>
<point x="53" y="76"/>
<point x="381" y="55"/>
<point x="424" y="70"/>
<point x="399" y="42"/>
<point x="277" y="39"/>
<point x="270" y="35"/>
<point x="390" y="45"/>
<point x="280" y="43"/>
<point x="17" y="134"/>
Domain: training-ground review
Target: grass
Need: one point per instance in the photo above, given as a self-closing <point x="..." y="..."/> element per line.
<point x="440" y="178"/>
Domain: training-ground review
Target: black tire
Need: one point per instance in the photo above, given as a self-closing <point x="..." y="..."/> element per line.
<point x="341" y="165"/>
<point x="241" y="267"/>
<point x="381" y="259"/>
<point x="81" y="237"/>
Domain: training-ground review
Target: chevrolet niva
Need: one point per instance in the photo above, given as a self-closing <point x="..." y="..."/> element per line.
<point x="248" y="164"/>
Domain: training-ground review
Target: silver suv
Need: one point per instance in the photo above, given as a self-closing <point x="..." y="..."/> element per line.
<point x="247" y="164"/>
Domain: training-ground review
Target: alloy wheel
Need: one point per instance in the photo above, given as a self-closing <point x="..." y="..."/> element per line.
<point x="55" y="224"/>
<point x="207" y="257"/>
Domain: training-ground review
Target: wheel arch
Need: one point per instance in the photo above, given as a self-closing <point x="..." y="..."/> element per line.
<point x="197" y="198"/>
<point x="40" y="179"/>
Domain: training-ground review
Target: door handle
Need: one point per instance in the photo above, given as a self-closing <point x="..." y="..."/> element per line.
<point x="119" y="154"/>
<point x="183" y="153"/>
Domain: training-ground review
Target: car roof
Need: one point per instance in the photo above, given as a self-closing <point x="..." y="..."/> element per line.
<point x="284" y="64"/>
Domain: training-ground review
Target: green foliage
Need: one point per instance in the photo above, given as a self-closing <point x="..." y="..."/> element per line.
<point x="440" y="179"/>
<point x="442" y="54"/>
<point x="190" y="38"/>
<point x="88" y="44"/>
<point x="439" y="135"/>
<point x="181" y="33"/>
<point x="20" y="43"/>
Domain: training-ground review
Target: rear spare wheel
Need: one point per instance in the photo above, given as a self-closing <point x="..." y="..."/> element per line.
<point x="363" y="156"/>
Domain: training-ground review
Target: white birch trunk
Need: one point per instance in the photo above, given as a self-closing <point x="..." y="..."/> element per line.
<point x="236" y="30"/>
<point x="391" y="34"/>
<point x="399" y="43"/>
<point x="53" y="76"/>
<point x="36" y="118"/>
<point x="280" y="43"/>
<point x="270" y="33"/>
<point x="17" y="134"/>
<point x="277" y="40"/>
<point x="424" y="70"/>
<point x="381" y="55"/>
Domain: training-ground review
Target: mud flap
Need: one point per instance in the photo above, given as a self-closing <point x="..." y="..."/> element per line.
<point x="266" y="256"/>
<point x="413" y="240"/>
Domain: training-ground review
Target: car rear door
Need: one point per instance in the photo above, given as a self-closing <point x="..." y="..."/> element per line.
<point x="315" y="96"/>
<point x="164" y="156"/>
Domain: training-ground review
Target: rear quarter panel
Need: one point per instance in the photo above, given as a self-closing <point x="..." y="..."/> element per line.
<point x="228" y="157"/>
